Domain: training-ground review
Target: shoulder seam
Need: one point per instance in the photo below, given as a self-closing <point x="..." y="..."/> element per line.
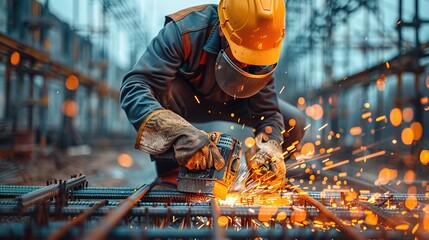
<point x="185" y="12"/>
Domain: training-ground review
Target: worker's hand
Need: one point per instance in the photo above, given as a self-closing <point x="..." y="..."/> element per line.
<point x="266" y="163"/>
<point x="205" y="158"/>
<point x="192" y="147"/>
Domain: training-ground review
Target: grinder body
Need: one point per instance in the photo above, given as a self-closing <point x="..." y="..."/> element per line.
<point x="211" y="181"/>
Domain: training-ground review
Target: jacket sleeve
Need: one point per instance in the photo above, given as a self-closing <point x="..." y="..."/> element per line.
<point x="266" y="110"/>
<point x="152" y="75"/>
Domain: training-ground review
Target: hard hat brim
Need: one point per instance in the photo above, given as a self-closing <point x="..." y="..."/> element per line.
<point x="260" y="57"/>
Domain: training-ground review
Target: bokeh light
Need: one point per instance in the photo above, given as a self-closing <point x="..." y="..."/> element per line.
<point x="417" y="130"/>
<point x="15" y="58"/>
<point x="298" y="215"/>
<point x="409" y="176"/>
<point x="354" y="131"/>
<point x="223" y="221"/>
<point x="318" y="111"/>
<point x="407" y="114"/>
<point x="125" y="160"/>
<point x="70" y="108"/>
<point x="380" y="84"/>
<point x="292" y="122"/>
<point x="308" y="149"/>
<point x="424" y="157"/>
<point x="407" y="136"/>
<point x="72" y="82"/>
<point x="266" y="212"/>
<point x="249" y="142"/>
<point x="396" y="117"/>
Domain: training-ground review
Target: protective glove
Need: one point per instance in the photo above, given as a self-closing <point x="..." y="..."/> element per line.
<point x="266" y="164"/>
<point x="193" y="149"/>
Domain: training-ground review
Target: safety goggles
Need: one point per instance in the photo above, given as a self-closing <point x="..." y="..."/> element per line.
<point x="241" y="82"/>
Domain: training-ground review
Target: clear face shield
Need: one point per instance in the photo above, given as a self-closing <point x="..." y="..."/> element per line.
<point x="241" y="82"/>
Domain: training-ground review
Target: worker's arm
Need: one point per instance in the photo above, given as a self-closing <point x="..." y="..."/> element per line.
<point x="265" y="160"/>
<point x="266" y="111"/>
<point x="159" y="129"/>
<point x="152" y="76"/>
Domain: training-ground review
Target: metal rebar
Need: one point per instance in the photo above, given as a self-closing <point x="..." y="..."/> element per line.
<point x="112" y="218"/>
<point x="349" y="231"/>
<point x="218" y="233"/>
<point x="60" y="232"/>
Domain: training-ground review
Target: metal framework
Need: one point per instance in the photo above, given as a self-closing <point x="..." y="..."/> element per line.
<point x="72" y="210"/>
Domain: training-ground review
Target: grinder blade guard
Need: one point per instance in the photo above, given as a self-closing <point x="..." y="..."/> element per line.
<point x="210" y="181"/>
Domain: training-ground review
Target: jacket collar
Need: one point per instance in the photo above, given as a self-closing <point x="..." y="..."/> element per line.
<point x="213" y="44"/>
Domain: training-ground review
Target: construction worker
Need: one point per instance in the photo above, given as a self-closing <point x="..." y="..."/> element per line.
<point x="212" y="62"/>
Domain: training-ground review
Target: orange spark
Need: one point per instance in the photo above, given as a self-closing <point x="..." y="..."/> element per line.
<point x="366" y="115"/>
<point x="336" y="164"/>
<point x="322" y="127"/>
<point x="196" y="98"/>
<point x="376" y="154"/>
<point x="381" y="118"/>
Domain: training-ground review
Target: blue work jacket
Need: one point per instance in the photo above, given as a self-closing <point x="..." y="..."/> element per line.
<point x="187" y="47"/>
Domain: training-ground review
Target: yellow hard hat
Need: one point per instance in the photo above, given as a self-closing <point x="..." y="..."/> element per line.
<point x="254" y="29"/>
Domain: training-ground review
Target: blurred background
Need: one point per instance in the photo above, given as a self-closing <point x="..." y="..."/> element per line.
<point x="358" y="69"/>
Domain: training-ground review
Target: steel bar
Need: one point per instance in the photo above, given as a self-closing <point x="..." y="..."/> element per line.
<point x="39" y="196"/>
<point x="60" y="232"/>
<point x="113" y="217"/>
<point x="201" y="210"/>
<point x="389" y="220"/>
<point x="219" y="233"/>
<point x="45" y="193"/>
<point x="351" y="232"/>
<point x="18" y="231"/>
<point x="157" y="195"/>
